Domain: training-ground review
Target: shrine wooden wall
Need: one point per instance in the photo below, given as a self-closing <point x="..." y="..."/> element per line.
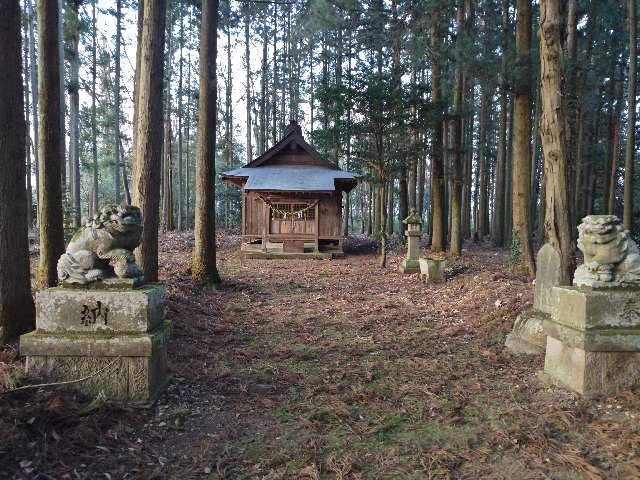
<point x="329" y="211"/>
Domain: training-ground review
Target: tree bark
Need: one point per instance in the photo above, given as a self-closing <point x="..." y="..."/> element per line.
<point x="483" y="193"/>
<point x="51" y="162"/>
<point x="263" y="93"/>
<point x="204" y="251"/>
<point x="382" y="194"/>
<point x="228" y="130"/>
<point x="61" y="80"/>
<point x="613" y="94"/>
<point x="247" y="57"/>
<point x="27" y="140"/>
<point x="500" y="197"/>
<point x="74" y="112"/>
<point x="94" y="125"/>
<point x="455" y="248"/>
<point x="33" y="74"/>
<point x="275" y="79"/>
<point x="523" y="259"/>
<point x="437" y="158"/>
<point x="17" y="313"/>
<point x="508" y="214"/>
<point x="552" y="131"/>
<point x="629" y="159"/>
<point x="167" y="178"/>
<point x="571" y="103"/>
<point x="167" y="148"/>
<point x="116" y="104"/>
<point x="149" y="133"/>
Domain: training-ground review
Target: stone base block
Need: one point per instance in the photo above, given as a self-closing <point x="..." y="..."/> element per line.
<point x="590" y="373"/>
<point x="432" y="270"/>
<point x="100" y="310"/>
<point x="527" y="336"/>
<point x="409" y="266"/>
<point x="132" y="367"/>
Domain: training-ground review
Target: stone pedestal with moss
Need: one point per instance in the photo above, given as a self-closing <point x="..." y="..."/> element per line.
<point x="103" y="330"/>
<point x="593" y="334"/>
<point x="527" y="336"/>
<point x="411" y="263"/>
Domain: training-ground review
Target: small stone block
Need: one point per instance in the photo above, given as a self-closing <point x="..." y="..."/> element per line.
<point x="590" y="373"/>
<point x="528" y="336"/>
<point x="432" y="270"/>
<point x="585" y="309"/>
<point x="409" y="266"/>
<point x="595" y="339"/>
<point x="548" y="275"/>
<point x="293" y="246"/>
<point x="93" y="310"/>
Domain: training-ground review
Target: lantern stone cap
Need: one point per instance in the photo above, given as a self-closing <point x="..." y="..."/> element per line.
<point x="413" y="218"/>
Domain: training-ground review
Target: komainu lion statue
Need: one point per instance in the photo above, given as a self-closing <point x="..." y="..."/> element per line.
<point x="104" y="247"/>
<point x="611" y="257"/>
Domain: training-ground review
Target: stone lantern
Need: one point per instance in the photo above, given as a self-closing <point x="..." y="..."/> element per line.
<point x="413" y="232"/>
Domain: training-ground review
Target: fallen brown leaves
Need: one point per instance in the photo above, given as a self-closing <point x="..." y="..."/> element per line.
<point x="331" y="369"/>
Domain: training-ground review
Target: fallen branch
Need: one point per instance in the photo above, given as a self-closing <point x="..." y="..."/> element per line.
<point x="68" y="382"/>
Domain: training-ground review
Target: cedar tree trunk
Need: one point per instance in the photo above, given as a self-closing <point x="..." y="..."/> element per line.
<point x="204" y="251"/>
<point x="17" y="313"/>
<point x="149" y="133"/>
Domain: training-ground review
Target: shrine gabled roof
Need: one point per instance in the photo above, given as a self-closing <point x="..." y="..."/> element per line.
<point x="306" y="178"/>
<point x="292" y="138"/>
<point x="263" y="174"/>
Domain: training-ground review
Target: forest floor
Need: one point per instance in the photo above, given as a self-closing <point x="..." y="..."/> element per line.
<point x="330" y="370"/>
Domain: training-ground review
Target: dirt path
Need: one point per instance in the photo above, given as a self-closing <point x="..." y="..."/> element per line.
<point x="337" y="370"/>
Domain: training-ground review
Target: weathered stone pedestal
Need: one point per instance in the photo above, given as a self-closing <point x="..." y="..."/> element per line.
<point x="593" y="339"/>
<point x="527" y="336"/>
<point x="109" y="327"/>
<point x="432" y="270"/>
<point x="411" y="264"/>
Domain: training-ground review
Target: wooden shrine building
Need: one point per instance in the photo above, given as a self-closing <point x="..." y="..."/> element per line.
<point x="291" y="200"/>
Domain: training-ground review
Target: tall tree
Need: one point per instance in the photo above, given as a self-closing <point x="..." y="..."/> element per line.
<point x="61" y="80"/>
<point x="27" y="118"/>
<point x="181" y="188"/>
<point x="553" y="134"/>
<point x="204" y="251"/>
<point x="482" y="222"/>
<point x="94" y="122"/>
<point x="629" y="159"/>
<point x="116" y="104"/>
<point x="149" y="131"/>
<point x="33" y="75"/>
<point x="51" y="162"/>
<point x="247" y="59"/>
<point x="521" y="196"/>
<point x="167" y="148"/>
<point x="437" y="154"/>
<point x="455" y="247"/>
<point x="17" y="314"/>
<point x="74" y="108"/>
<point x="501" y="156"/>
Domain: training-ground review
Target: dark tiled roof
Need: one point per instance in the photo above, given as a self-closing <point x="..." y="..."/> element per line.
<point x="290" y="177"/>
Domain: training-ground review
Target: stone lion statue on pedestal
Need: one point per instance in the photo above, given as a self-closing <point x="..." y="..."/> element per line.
<point x="104" y="247"/>
<point x="611" y="257"/>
